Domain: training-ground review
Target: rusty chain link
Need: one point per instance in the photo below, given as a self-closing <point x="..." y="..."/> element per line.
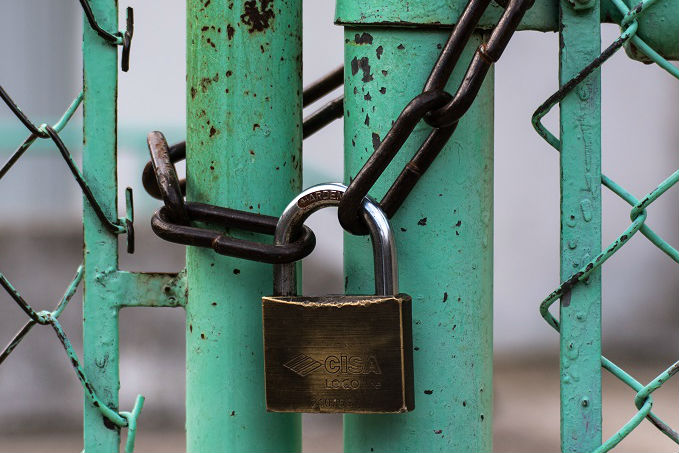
<point x="313" y="123"/>
<point x="435" y="106"/>
<point x="172" y="221"/>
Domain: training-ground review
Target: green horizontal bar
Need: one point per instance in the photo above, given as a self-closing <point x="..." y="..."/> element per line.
<point x="659" y="26"/>
<point x="139" y="289"/>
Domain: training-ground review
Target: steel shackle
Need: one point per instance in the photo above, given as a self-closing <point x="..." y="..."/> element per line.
<point x="322" y="196"/>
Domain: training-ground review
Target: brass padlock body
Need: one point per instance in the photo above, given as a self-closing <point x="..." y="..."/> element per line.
<point x="347" y="354"/>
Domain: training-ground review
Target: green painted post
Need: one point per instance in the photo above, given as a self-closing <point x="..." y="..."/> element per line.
<point x="100" y="311"/>
<point x="580" y="230"/>
<point x="244" y="137"/>
<point x="444" y="239"/>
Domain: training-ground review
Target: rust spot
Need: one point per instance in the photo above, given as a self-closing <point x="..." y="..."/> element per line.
<point x="230" y="31"/>
<point x="445" y="296"/>
<point x="376" y="141"/>
<point x="365" y="38"/>
<point x="383" y="90"/>
<point x="108" y="423"/>
<point x="236" y="271"/>
<point x="428" y="392"/>
<point x="254" y="127"/>
<point x="213" y="131"/>
<point x="193" y="93"/>
<point x="367" y="120"/>
<point x="566" y="299"/>
<point x="354" y="69"/>
<point x="367" y="96"/>
<point x="229" y="73"/>
<point x="257" y="14"/>
<point x="379" y="52"/>
<point x="364" y="65"/>
<point x="422" y="221"/>
<point x="438" y="431"/>
<point x="205" y="83"/>
<point x="401" y="47"/>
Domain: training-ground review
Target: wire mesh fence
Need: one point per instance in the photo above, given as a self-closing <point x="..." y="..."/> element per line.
<point x="44" y="131"/>
<point x="643" y="399"/>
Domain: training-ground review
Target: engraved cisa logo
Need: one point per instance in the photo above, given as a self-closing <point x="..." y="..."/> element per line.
<point x="303" y="365"/>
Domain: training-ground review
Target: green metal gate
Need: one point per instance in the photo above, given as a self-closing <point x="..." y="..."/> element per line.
<point x="244" y="116"/>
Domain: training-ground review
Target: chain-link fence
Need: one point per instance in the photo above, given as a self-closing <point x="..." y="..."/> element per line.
<point x="118" y="226"/>
<point x="633" y="43"/>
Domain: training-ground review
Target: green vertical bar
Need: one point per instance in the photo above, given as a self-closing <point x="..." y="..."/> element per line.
<point x="580" y="232"/>
<point x="100" y="313"/>
<point x="444" y="239"/>
<point x="244" y="136"/>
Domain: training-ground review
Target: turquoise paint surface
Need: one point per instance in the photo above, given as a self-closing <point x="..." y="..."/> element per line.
<point x="659" y="27"/>
<point x="100" y="311"/>
<point x="580" y="233"/>
<point x="244" y="138"/>
<point x="445" y="246"/>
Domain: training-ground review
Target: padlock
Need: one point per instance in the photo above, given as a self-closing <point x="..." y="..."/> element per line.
<point x="346" y="354"/>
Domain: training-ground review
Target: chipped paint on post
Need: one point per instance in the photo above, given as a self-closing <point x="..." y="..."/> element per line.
<point x="450" y="212"/>
<point x="580" y="232"/>
<point x="658" y="26"/>
<point x="244" y="135"/>
<point x="100" y="312"/>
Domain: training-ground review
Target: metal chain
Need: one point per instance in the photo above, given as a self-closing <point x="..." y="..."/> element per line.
<point x="313" y="123"/>
<point x="435" y="106"/>
<point x="172" y="221"/>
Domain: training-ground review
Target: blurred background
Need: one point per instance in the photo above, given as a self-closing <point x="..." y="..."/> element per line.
<point x="41" y="232"/>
